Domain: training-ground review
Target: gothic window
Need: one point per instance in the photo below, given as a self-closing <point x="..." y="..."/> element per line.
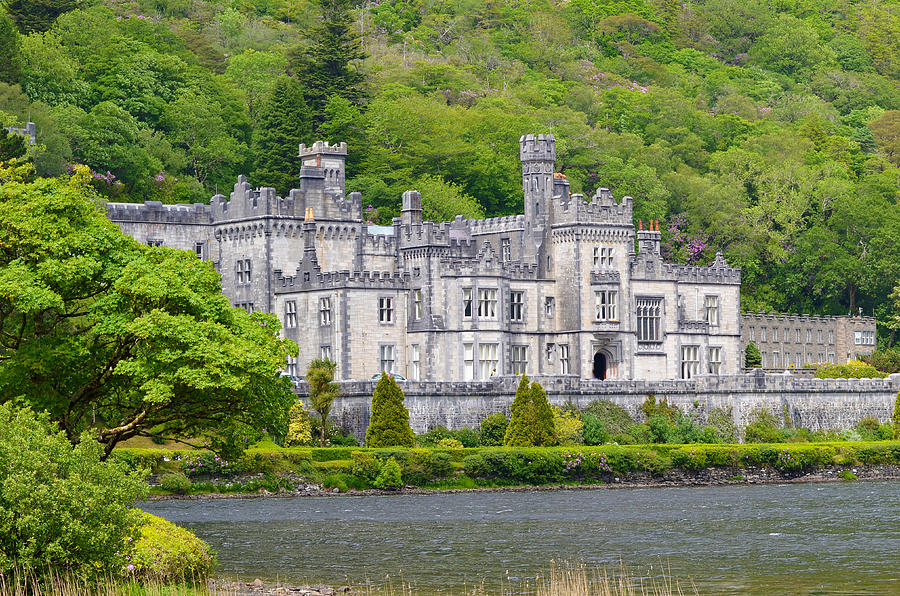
<point x="605" y="305"/>
<point x="549" y="305"/>
<point x="649" y="316"/>
<point x="325" y="352"/>
<point x="516" y="301"/>
<point x="831" y="336"/>
<point x="603" y="257"/>
<point x="519" y="359"/>
<point x="242" y="271"/>
<point x="198" y="249"/>
<point x="385" y="310"/>
<point x="762" y="334"/>
<point x="291" y="368"/>
<point x="505" y="249"/>
<point x="819" y="336"/>
<point x="564" y="359"/>
<point x="468" y="362"/>
<point x="290" y="314"/>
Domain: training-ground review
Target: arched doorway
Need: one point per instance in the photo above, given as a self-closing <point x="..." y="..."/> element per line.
<point x="600" y="366"/>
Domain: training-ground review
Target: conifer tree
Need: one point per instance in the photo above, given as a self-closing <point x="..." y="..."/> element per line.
<point x="517" y="432"/>
<point x="752" y="357"/>
<point x="284" y="123"/>
<point x="326" y="66"/>
<point x="542" y="427"/>
<point x="9" y="49"/>
<point x="389" y="426"/>
<point x="38" y="15"/>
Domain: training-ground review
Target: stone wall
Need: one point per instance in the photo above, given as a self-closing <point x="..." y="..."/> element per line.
<point x="817" y="404"/>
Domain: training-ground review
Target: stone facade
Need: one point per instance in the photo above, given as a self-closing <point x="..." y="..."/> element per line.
<point x="29" y="131"/>
<point x="557" y="290"/>
<point x="790" y="341"/>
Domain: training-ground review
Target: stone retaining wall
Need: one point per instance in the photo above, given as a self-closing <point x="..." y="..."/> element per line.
<point x="817" y="404"/>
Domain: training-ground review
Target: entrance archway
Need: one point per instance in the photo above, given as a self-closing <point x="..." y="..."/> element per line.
<point x="600" y="366"/>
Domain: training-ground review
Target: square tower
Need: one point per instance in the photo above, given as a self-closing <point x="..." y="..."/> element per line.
<point x="331" y="158"/>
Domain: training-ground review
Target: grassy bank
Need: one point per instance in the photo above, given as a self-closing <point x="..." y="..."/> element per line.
<point x="271" y="468"/>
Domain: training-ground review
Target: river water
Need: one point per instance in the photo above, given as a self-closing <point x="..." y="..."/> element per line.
<point x="828" y="538"/>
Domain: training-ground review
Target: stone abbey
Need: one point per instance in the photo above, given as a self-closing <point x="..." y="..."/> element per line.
<point x="557" y="290"/>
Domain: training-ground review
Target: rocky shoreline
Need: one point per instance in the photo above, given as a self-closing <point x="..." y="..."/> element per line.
<point x="706" y="477"/>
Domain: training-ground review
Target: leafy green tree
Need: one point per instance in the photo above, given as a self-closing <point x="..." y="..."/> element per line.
<point x="389" y="425"/>
<point x="790" y="46"/>
<point x="124" y="339"/>
<point x="752" y="357"/>
<point x="11" y="145"/>
<point x="62" y="509"/>
<point x="895" y="420"/>
<point x="195" y="125"/>
<point x="443" y="201"/>
<point x="9" y="50"/>
<point x="38" y="15"/>
<point x="256" y="73"/>
<point x="322" y="391"/>
<point x="284" y="122"/>
<point x="594" y="432"/>
<point x="328" y="64"/>
<point x="886" y="129"/>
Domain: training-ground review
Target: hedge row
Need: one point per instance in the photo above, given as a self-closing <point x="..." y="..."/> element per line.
<point x="359" y="467"/>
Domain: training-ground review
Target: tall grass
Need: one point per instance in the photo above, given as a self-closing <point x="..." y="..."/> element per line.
<point x="561" y="579"/>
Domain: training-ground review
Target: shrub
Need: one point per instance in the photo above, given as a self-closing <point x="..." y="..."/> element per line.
<point x="334" y="434"/>
<point x="166" y="553"/>
<point x="434" y="436"/>
<point x="763" y="428"/>
<point x="61" y="508"/>
<point x="205" y="463"/>
<point x="492" y="429"/>
<point x="425" y="466"/>
<point x="662" y="430"/>
<point x="594" y="432"/>
<point x="886" y="361"/>
<point x="616" y="419"/>
<point x="722" y="422"/>
<point x="896" y="418"/>
<point x="299" y="428"/>
<point x="364" y="466"/>
<point x="450" y="443"/>
<point x="469" y="437"/>
<point x="390" y="419"/>
<point x="389" y="477"/>
<point x="651" y="408"/>
<point x="176" y="483"/>
<point x="567" y="425"/>
<point x="851" y="370"/>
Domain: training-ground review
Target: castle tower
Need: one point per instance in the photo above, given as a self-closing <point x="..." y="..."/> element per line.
<point x="412" y="207"/>
<point x="537" y="154"/>
<point x="331" y="158"/>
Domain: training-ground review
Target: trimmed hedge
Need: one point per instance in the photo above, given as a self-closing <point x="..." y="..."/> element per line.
<point x="360" y="467"/>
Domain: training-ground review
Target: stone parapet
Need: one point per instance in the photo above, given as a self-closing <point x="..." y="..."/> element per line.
<point x="156" y="212"/>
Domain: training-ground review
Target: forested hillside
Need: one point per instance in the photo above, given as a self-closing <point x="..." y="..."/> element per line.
<point x="769" y="130"/>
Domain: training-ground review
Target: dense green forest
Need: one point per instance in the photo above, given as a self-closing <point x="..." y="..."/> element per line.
<point x="767" y="129"/>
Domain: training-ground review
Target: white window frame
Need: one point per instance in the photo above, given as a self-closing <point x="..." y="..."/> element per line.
<point x="711" y="309"/>
<point x="415" y="363"/>
<point x="518" y="359"/>
<point x="606" y="305"/>
<point x="714" y="360"/>
<point x="242" y="270"/>
<point x="325" y="314"/>
<point x="468" y="361"/>
<point x="417" y="305"/>
<point x="387" y="357"/>
<point x="604" y="257"/>
<point x="488" y="359"/>
<point x="505" y="250"/>
<point x="487" y="303"/>
<point x="386" y="310"/>
<point x="564" y="359"/>
<point x="690" y="361"/>
<point x="516" y="305"/>
<point x="325" y="353"/>
<point x="291" y="366"/>
<point x="467" y="303"/>
<point x="290" y="314"/>
<point x="649" y="313"/>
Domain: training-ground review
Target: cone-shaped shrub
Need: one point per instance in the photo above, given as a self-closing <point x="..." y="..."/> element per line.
<point x="542" y="429"/>
<point x="389" y="426"/>
<point x="517" y="431"/>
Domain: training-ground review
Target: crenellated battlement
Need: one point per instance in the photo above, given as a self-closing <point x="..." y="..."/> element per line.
<point x="322" y="147"/>
<point x="371" y="280"/>
<point x="495" y="225"/>
<point x="540" y="147"/>
<point x="802" y="319"/>
<point x="156" y="212"/>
